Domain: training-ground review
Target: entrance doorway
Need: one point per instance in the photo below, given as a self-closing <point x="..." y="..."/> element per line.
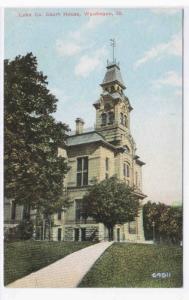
<point x="118" y="234"/>
<point x="76" y="234"/>
<point x="59" y="234"/>
<point x="83" y="234"/>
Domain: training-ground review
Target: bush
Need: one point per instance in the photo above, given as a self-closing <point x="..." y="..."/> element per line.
<point x="25" y="230"/>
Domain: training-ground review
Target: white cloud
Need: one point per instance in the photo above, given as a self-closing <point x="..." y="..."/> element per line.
<point x="172" y="47"/>
<point x="67" y="48"/>
<point x="89" y="63"/>
<point x="171" y="78"/>
<point x="75" y="42"/>
<point x="166" y="11"/>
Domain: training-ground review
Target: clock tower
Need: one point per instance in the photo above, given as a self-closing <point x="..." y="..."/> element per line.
<point x="113" y="109"/>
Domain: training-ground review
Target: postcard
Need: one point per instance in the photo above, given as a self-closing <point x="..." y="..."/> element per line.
<point x="93" y="147"/>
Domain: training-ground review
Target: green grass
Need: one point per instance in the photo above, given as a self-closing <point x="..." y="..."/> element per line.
<point x="132" y="265"/>
<point x="24" y="257"/>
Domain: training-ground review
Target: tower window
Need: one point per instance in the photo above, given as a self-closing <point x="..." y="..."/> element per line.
<point x="104" y="117"/>
<point x="82" y="171"/>
<point x="112" y="89"/>
<point x="125" y="121"/>
<point x="110" y="117"/>
<point x="122" y="118"/>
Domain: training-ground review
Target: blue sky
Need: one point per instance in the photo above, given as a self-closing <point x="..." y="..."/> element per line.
<point x="72" y="52"/>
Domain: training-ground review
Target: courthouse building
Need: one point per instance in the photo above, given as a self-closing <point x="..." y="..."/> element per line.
<point x="93" y="156"/>
<point x="108" y="150"/>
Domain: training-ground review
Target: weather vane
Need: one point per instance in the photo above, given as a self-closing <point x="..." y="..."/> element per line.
<point x="113" y="45"/>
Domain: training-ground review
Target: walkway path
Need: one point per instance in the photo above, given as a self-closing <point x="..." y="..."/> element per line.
<point x="66" y="272"/>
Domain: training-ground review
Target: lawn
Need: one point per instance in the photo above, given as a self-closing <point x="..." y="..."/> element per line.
<point x="24" y="257"/>
<point x="132" y="265"/>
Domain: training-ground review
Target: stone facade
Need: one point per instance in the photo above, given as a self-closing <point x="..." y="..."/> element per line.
<point x="106" y="151"/>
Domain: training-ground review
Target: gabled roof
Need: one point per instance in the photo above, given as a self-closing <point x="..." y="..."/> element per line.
<point x="113" y="74"/>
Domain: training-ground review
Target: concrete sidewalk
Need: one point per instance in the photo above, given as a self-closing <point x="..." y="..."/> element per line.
<point x="66" y="272"/>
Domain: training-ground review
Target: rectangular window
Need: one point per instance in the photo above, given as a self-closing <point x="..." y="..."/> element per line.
<point x="82" y="171"/>
<point x="59" y="234"/>
<point x="107" y="168"/>
<point x="59" y="214"/>
<point x="13" y="210"/>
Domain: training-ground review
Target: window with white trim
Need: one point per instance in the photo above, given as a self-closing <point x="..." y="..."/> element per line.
<point x="82" y="171"/>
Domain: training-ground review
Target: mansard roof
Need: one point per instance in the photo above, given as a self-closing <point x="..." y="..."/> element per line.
<point x="113" y="75"/>
<point x="84" y="138"/>
<point x="87" y="138"/>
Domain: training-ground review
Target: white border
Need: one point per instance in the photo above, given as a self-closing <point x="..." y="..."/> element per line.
<point x="113" y="293"/>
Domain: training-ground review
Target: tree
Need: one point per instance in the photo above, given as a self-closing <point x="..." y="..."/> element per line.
<point x="152" y="212"/>
<point x="34" y="173"/>
<point x="111" y="202"/>
<point x="167" y="219"/>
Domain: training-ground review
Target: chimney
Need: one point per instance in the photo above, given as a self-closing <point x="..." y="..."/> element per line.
<point x="79" y="125"/>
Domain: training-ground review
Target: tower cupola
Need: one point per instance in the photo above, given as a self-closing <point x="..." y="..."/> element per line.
<point x="113" y="107"/>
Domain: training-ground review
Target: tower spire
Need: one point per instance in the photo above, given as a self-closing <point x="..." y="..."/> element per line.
<point x="113" y="45"/>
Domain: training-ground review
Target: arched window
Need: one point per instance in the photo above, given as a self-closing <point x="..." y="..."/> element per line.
<point x="104" y="117"/>
<point x="110" y="117"/>
<point x="126" y="170"/>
